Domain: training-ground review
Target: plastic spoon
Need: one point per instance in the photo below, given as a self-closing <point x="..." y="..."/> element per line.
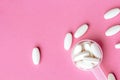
<point x="88" y="66"/>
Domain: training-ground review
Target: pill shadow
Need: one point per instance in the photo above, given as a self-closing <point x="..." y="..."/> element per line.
<point x="39" y="48"/>
<point x="115" y="76"/>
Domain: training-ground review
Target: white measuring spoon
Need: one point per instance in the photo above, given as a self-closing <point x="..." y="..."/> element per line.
<point x="90" y="62"/>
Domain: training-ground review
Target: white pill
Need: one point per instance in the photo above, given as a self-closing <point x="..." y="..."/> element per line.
<point x="68" y="41"/>
<point x="111" y="76"/>
<point x="81" y="31"/>
<point x="84" y="65"/>
<point x="117" y="46"/>
<point x="80" y="64"/>
<point x="89" y="64"/>
<point x="91" y="60"/>
<point x="81" y="56"/>
<point x="113" y="30"/>
<point x="36" y="56"/>
<point x="111" y="13"/>
<point x="95" y="50"/>
<point x="77" y="49"/>
<point x="87" y="47"/>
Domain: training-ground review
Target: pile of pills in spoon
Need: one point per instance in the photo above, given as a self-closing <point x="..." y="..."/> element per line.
<point x="86" y="54"/>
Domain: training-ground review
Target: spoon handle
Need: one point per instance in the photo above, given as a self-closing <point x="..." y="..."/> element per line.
<point x="98" y="73"/>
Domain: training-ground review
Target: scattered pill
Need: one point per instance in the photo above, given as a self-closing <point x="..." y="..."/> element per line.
<point x="111" y="13"/>
<point x="112" y="30"/>
<point x="111" y="76"/>
<point x="36" y="56"/>
<point x="81" y="31"/>
<point x="68" y="41"/>
<point x="117" y="46"/>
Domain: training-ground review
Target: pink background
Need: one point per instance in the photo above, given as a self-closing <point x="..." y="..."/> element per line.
<point x="25" y="24"/>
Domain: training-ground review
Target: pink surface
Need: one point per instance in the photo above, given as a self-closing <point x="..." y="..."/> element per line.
<point x="44" y="23"/>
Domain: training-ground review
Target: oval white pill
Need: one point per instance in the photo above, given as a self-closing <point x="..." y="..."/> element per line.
<point x="95" y="50"/>
<point x="117" y="46"/>
<point x="80" y="65"/>
<point x="92" y="60"/>
<point x="36" y="56"/>
<point x="68" y="41"/>
<point x="84" y="65"/>
<point x="89" y="64"/>
<point x="111" y="13"/>
<point x="77" y="50"/>
<point x="111" y="76"/>
<point x="112" y="30"/>
<point x="87" y="47"/>
<point x="81" y="31"/>
<point x="81" y="56"/>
